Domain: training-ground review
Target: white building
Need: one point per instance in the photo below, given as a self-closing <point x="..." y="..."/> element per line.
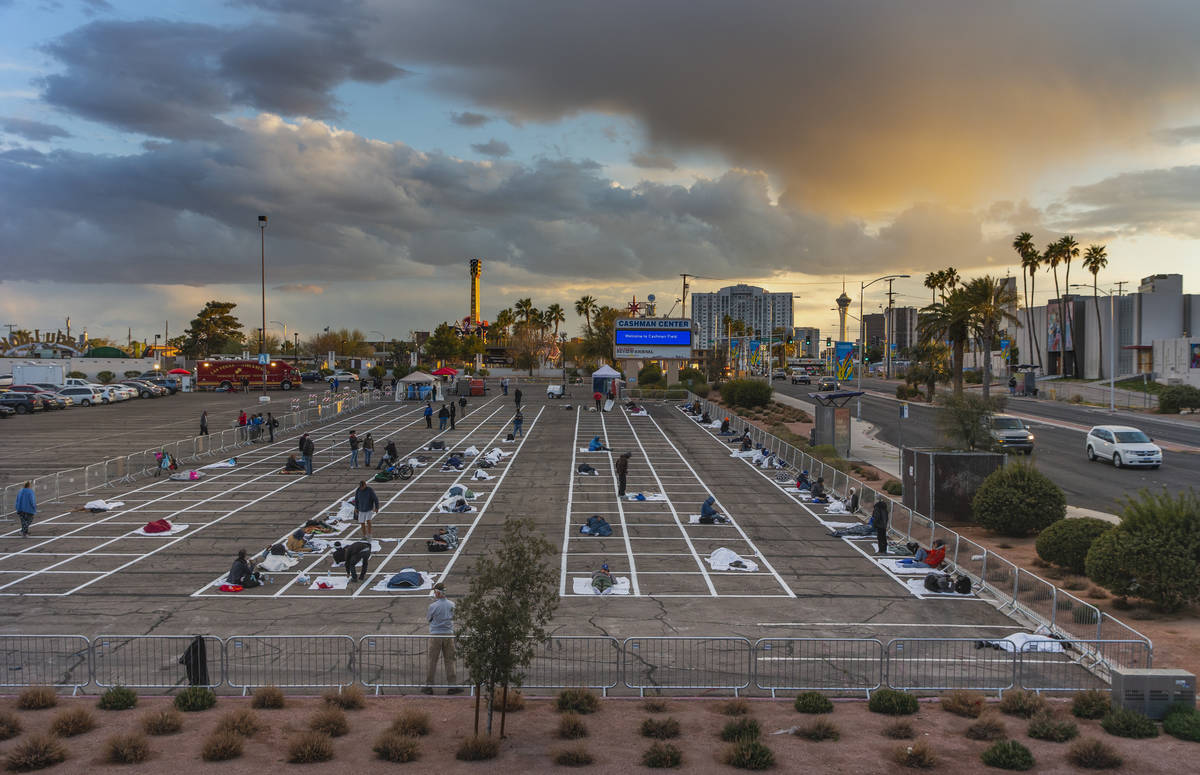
<point x="760" y="310"/>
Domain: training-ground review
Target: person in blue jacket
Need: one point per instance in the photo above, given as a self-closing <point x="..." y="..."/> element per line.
<point x="26" y="506"/>
<point x="595" y="445"/>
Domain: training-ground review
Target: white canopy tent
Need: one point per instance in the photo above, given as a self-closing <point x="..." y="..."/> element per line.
<point x="418" y="385"/>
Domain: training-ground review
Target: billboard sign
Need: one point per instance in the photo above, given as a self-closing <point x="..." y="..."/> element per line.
<point x="843" y="354"/>
<point x="653" y="338"/>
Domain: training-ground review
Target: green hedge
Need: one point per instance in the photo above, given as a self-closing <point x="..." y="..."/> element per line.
<point x="746" y="392"/>
<point x="1066" y="542"/>
<point x="1017" y="500"/>
<point x="1175" y="397"/>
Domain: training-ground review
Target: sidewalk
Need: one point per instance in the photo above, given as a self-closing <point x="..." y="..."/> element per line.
<point x="863" y="444"/>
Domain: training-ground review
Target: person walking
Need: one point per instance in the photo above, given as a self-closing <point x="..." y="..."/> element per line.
<point x="451" y="415"/>
<point x="517" y="397"/>
<point x="366" y="503"/>
<point x="598" y="397"/>
<point x="353" y="440"/>
<point x="880" y="516"/>
<point x="428" y="415"/>
<point x="272" y="423"/>
<point x="622" y="467"/>
<point x="368" y="446"/>
<point x="462" y="406"/>
<point x="204" y="423"/>
<point x="518" y="419"/>
<point x="504" y="385"/>
<point x="443" y="416"/>
<point x="307" y="450"/>
<point x="441" y="640"/>
<point x="26" y="506"/>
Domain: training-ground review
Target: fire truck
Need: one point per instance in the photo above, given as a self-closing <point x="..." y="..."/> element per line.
<point x="228" y="375"/>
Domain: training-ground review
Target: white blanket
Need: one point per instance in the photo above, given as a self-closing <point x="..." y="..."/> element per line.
<point x="276" y="563"/>
<point x="840" y="525"/>
<point x="175" y="530"/>
<point x="649" y="496"/>
<point x="345" y="512"/>
<point x="723" y="559"/>
<point x="323" y="545"/>
<point x="644" y="413"/>
<point x="186" y="476"/>
<point x="715" y="424"/>
<point x="230" y="463"/>
<point x="480" y="475"/>
<point x="496" y="452"/>
<point x="381" y="585"/>
<point x="896" y="566"/>
<point x="608" y="405"/>
<point x="335" y="582"/>
<point x="471" y="451"/>
<point x="917" y="587"/>
<point x="1023" y="641"/>
<point x="836" y="507"/>
<point x="745" y="455"/>
<point x="585" y="449"/>
<point x="583" y="586"/>
<point x="103" y="505"/>
<point x="694" y="519"/>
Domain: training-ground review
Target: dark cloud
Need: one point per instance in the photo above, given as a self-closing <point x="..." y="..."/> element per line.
<point x="1164" y="201"/>
<point x="1180" y="135"/>
<point x="467" y="118"/>
<point x="494" y="148"/>
<point x="34" y="131"/>
<point x="94" y="7"/>
<point x="652" y="161"/>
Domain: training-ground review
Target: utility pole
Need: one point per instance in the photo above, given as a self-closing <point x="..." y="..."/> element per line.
<point x="889" y="333"/>
<point x="683" y="298"/>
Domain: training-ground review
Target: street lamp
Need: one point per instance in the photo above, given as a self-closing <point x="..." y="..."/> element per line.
<point x="156" y="355"/>
<point x="281" y="324"/>
<point x="862" y="327"/>
<point x="262" y="247"/>
<point x="1112" y="347"/>
<point x="296" y="349"/>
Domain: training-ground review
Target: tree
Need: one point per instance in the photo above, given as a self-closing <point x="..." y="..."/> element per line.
<point x="1094" y="260"/>
<point x="1031" y="260"/>
<point x="525" y="310"/>
<point x="928" y="366"/>
<point x="599" y="343"/>
<point x="1053" y="257"/>
<point x="964" y="419"/>
<point x="1017" y="500"/>
<point x="443" y="344"/>
<point x="213" y="330"/>
<point x="585" y="308"/>
<point x="990" y="301"/>
<point x="1068" y="249"/>
<point x="341" y="341"/>
<point x="949" y="320"/>
<point x="503" y="616"/>
<point x="505" y="319"/>
<point x="556" y="316"/>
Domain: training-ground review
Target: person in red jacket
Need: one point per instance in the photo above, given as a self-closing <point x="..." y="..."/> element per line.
<point x="598" y="397"/>
<point x="933" y="557"/>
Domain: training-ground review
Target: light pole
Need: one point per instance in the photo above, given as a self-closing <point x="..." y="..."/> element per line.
<point x="262" y="335"/>
<point x="296" y="349"/>
<point x="1112" y="347"/>
<point x="156" y="356"/>
<point x="862" y="328"/>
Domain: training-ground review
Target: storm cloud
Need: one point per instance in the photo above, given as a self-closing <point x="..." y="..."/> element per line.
<point x="34" y="131"/>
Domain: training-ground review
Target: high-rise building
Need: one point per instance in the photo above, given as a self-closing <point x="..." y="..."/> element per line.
<point x="807" y="341"/>
<point x="760" y="310"/>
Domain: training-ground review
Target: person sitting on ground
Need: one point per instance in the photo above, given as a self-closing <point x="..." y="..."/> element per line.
<point x="802" y="481"/>
<point x="725" y="427"/>
<point x="243" y="572"/>
<point x="292" y="464"/>
<point x="633" y="407"/>
<point x="603" y="579"/>
<point x="297" y="542"/>
<point x="819" y="495"/>
<point x="705" y="419"/>
<point x="933" y="557"/>
<point x="747" y="444"/>
<point x="389" y="455"/>
<point x="352" y="555"/>
<point x="595" y="445"/>
<point x="850" y="502"/>
<point x="695" y="407"/>
<point x="453" y="462"/>
<point x="709" y="514"/>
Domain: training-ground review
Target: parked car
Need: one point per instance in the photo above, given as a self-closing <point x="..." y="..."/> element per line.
<point x="84" y="396"/>
<point x="342" y="376"/>
<point x="144" y="389"/>
<point x="54" y="401"/>
<point x="57" y="394"/>
<point x="311" y="376"/>
<point x="6" y="412"/>
<point x="1009" y="434"/>
<point x="826" y="383"/>
<point x="21" y="403"/>
<point x="801" y="378"/>
<point x="1123" y="445"/>
<point x="162" y="380"/>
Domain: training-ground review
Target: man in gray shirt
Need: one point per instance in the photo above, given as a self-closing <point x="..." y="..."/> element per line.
<point x="441" y="640"/>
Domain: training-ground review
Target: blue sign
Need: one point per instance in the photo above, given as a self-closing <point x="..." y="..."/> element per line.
<point x="674" y="337"/>
<point x="264" y="359"/>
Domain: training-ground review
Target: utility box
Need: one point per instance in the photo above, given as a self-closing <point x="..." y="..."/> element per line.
<point x="1151" y="691"/>
<point x="942" y="484"/>
<point x="832" y="427"/>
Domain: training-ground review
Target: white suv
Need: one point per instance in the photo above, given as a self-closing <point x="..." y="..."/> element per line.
<point x="1123" y="445"/>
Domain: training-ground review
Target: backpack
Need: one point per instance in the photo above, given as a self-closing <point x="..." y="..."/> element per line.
<point x="509" y="437"/>
<point x="437" y="444"/>
<point x="937" y="582"/>
<point x="962" y="585"/>
<point x="277" y="549"/>
<point x="437" y="546"/>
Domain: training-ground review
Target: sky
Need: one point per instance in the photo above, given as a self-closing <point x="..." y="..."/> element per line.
<point x="598" y="148"/>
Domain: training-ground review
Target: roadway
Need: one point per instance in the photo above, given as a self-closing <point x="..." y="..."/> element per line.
<point x="1059" y="429"/>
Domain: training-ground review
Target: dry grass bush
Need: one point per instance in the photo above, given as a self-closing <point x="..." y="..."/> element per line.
<point x="656" y="706"/>
<point x="1022" y="702"/>
<point x="72" y="721"/>
<point x="329" y="721"/>
<point x="571" y="726"/>
<point x="513" y="702"/>
<point x="661" y="729"/>
<point x="166" y="721"/>
<point x="195" y="699"/>
<point x="117" y="698"/>
<point x="573" y="756"/>
<point x="578" y="700"/>
<point x="222" y="746"/>
<point x="10" y="725"/>
<point x="662" y="756"/>
<point x="963" y="703"/>
<point x="818" y="730"/>
<point x="349" y="698"/>
<point x="748" y="755"/>
<point x="1097" y="593"/>
<point x="1048" y="726"/>
<point x="741" y="729"/>
<point x="1090" y="754"/>
<point x="812" y="702"/>
<point x="1008" y="755"/>
<point x="989" y="726"/>
<point x="36" y="752"/>
<point x="309" y="749"/>
<point x="392" y="746"/>
<point x="478" y="748"/>
<point x="918" y="756"/>
<point x="899" y="730"/>
<point x="734" y="708"/>
<point x="37" y="698"/>
<point x="243" y="721"/>
<point x="411" y="722"/>
<point x="1092" y="704"/>
<point x="268" y="698"/>
<point x="127" y="749"/>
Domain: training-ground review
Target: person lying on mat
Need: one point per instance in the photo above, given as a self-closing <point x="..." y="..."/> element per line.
<point x="705" y="419"/>
<point x="633" y="407"/>
<point x="595" y="445"/>
<point x="296" y="542"/>
<point x="243" y="572"/>
<point x="603" y="579"/>
<point x="819" y="495"/>
<point x="857" y="530"/>
<point x="709" y="514"/>
<point x="802" y="481"/>
<point x="351" y="555"/>
<point x="293" y="464"/>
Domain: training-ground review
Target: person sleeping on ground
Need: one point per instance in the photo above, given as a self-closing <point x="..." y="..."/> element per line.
<point x="352" y="555"/>
<point x="603" y="579"/>
<point x="296" y="542"/>
<point x="709" y="514"/>
<point x="819" y="495"/>
<point x="695" y="408"/>
<point x="865" y="529"/>
<point x="292" y="464"/>
<point x="595" y="445"/>
<point x="243" y="572"/>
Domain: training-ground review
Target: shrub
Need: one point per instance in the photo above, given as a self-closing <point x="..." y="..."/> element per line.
<point x="117" y="698"/>
<point x="1094" y="755"/>
<point x="1017" y="500"/>
<point x="893" y="487"/>
<point x="892" y="703"/>
<point x="1066" y="542"/>
<point x="195" y="698"/>
<point x="309" y="749"/>
<point x="904" y="391"/>
<point x="1092" y="703"/>
<point x="701" y="389"/>
<point x="78" y="374"/>
<point x="573" y="756"/>
<point x="1183" y="724"/>
<point x="243" y="721"/>
<point x="10" y="725"/>
<point x="105" y="377"/>
<point x="165" y="721"/>
<point x="662" y="756"/>
<point x="513" y="701"/>
<point x="36" y="752"/>
<point x="650" y="376"/>
<point x="918" y="756"/>
<point x="963" y="703"/>
<point x="749" y="755"/>
<point x="72" y="721"/>
<point x="1022" y="702"/>
<point x="818" y="730"/>
<point x="746" y="392"/>
<point x="737" y="707"/>
<point x="127" y="749"/>
<point x="662" y="729"/>
<point x="1123" y="722"/>
<point x="987" y="727"/>
<point x="1153" y="553"/>
<point x="411" y="722"/>
<point x="349" y="698"/>
<point x="221" y="747"/>
<point x="571" y="726"/>
<point x="655" y="706"/>
<point x="1007" y="755"/>
<point x="268" y="698"/>
<point x="131" y="373"/>
<point x="37" y="698"/>
<point x="578" y="700"/>
<point x="394" y="747"/>
<point x="1172" y="398"/>
<point x="899" y="730"/>
<point x="740" y="730"/>
<point x="478" y="748"/>
<point x="1047" y="726"/>
<point x="330" y="721"/>
<point x="812" y="702"/>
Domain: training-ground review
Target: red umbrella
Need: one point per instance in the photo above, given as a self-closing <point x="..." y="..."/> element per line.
<point x="179" y="371"/>
<point x="445" y="371"/>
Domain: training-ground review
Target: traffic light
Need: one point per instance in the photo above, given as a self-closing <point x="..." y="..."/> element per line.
<point x="829" y="341"/>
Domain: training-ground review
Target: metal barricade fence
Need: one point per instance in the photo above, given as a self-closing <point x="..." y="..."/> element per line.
<point x="826" y="664"/>
<point x="1068" y="666"/>
<point x="1035" y="597"/>
<point x="290" y="661"/>
<point x="45" y="660"/>
<point x="400" y="661"/>
<point x="1115" y="629"/>
<point x="576" y="661"/>
<point x="687" y="663"/>
<point x="936" y="664"/>
<point x="157" y="661"/>
<point x="1000" y="579"/>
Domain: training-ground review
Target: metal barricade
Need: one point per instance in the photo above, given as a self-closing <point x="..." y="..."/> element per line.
<point x="1035" y="596"/>
<point x="157" y="661"/>
<point x="70" y="481"/>
<point x="567" y="662"/>
<point x="1075" y="618"/>
<point x="290" y="661"/>
<point x="936" y="664"/>
<point x="45" y="660"/>
<point x="826" y="664"/>
<point x="687" y="663"/>
<point x="400" y="661"/>
<point x="1069" y="665"/>
<point x="1115" y="629"/>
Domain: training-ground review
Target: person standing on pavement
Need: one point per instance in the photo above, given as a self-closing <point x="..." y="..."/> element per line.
<point x="451" y="415"/>
<point x="518" y="420"/>
<point x="443" y="416"/>
<point x="517" y="397"/>
<point x="204" y="423"/>
<point x="307" y="449"/>
<point x="441" y="640"/>
<point x="428" y="415"/>
<point x="880" y="516"/>
<point x="366" y="503"/>
<point x="271" y="423"/>
<point x="368" y="446"/>
<point x="504" y="385"/>
<point x="462" y="406"/>
<point x="622" y="467"/>
<point x="26" y="507"/>
<point x="598" y="397"/>
<point x="353" y="441"/>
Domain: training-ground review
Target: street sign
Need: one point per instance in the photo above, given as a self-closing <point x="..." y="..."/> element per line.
<point x="653" y="338"/>
<point x="263" y="359"/>
<point x="904" y="411"/>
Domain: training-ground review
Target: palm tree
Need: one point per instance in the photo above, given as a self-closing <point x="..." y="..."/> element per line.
<point x="1070" y="249"/>
<point x="524" y="309"/>
<point x="1053" y="257"/>
<point x="1094" y="260"/>
<point x="990" y="300"/>
<point x="505" y="319"/>
<point x="586" y="307"/>
<point x="950" y="279"/>
<point x="949" y="319"/>
<point x="1031" y="261"/>
<point x="933" y="281"/>
<point x="557" y="316"/>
